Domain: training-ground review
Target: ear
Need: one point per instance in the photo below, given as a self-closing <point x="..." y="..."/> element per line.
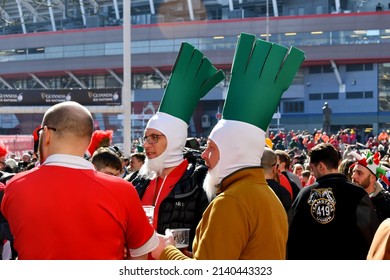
<point x="372" y="178"/>
<point x="47" y="137"/>
<point x="322" y="166"/>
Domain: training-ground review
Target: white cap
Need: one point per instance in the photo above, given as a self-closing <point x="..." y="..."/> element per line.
<point x="240" y="145"/>
<point x="175" y="130"/>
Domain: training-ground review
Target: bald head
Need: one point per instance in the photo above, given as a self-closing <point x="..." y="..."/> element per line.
<point x="67" y="129"/>
<point x="69" y="118"/>
<point x="268" y="159"/>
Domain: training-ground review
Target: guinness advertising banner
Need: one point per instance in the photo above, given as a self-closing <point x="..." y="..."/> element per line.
<point x="49" y="97"/>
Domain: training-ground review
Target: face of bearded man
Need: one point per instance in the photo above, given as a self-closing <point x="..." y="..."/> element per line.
<point x="153" y="167"/>
<point x="364" y="183"/>
<point x="211" y="181"/>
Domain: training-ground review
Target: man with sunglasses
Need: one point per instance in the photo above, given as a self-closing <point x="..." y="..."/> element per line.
<point x="167" y="180"/>
<point x="271" y="174"/>
<point x="64" y="209"/>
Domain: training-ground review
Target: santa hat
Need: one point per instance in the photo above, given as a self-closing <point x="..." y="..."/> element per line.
<point x="193" y="76"/>
<point x="261" y="72"/>
<point x="36" y="138"/>
<point x="100" y="138"/>
<point x="372" y="163"/>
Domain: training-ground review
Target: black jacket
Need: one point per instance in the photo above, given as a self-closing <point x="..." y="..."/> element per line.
<point x="294" y="187"/>
<point x="184" y="205"/>
<point x="281" y="192"/>
<point x="332" y="219"/>
<point x="5" y="232"/>
<point x="130" y="177"/>
<point x="382" y="205"/>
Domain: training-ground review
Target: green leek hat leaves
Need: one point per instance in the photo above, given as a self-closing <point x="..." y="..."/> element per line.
<point x="193" y="76"/>
<point x="261" y="72"/>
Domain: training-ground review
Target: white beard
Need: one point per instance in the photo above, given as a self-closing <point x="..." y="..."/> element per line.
<point x="152" y="167"/>
<point x="211" y="181"/>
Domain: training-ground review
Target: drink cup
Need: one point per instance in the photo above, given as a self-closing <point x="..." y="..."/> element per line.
<point x="182" y="237"/>
<point x="149" y="211"/>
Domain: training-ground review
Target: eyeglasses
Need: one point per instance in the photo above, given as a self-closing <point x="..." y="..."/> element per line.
<point x="48" y="127"/>
<point x="152" y="138"/>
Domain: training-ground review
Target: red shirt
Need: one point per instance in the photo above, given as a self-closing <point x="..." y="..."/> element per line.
<point x="58" y="212"/>
<point x="345" y="138"/>
<point x="284" y="182"/>
<point x="311" y="181"/>
<point x="310" y="145"/>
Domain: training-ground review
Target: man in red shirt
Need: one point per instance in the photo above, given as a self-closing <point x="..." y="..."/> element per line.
<point x="64" y="209"/>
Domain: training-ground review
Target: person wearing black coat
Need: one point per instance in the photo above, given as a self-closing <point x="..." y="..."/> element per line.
<point x="269" y="164"/>
<point x="333" y="219"/>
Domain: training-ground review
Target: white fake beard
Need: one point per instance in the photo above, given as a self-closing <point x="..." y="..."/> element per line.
<point x="153" y="167"/>
<point x="211" y="181"/>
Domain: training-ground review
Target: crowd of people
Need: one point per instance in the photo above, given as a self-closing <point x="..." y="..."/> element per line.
<point x="13" y="164"/>
<point x="296" y="196"/>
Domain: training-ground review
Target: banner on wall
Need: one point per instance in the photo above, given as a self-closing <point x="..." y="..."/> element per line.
<point x="49" y="97"/>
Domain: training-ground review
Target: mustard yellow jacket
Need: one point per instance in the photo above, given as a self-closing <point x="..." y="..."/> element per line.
<point x="246" y="221"/>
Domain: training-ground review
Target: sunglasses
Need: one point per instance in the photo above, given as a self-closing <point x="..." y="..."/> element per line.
<point x="48" y="127"/>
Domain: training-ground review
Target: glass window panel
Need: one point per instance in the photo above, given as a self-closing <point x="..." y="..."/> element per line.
<point x="73" y="51"/>
<point x="299" y="78"/>
<point x="315" y="69"/>
<point x="330" y="95"/>
<point x="368" y="67"/>
<point x="36" y="56"/>
<point x="354" y="95"/>
<point x="94" y="50"/>
<point x="354" y="67"/>
<point x="315" y="96"/>
<point x="113" y="48"/>
<point x="293" y="107"/>
<point x="327" y="69"/>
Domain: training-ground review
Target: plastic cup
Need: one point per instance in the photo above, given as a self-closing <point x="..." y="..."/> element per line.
<point x="182" y="237"/>
<point x="149" y="211"/>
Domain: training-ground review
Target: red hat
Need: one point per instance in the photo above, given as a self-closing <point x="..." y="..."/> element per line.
<point x="3" y="150"/>
<point x="35" y="133"/>
<point x="100" y="138"/>
<point x="372" y="163"/>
